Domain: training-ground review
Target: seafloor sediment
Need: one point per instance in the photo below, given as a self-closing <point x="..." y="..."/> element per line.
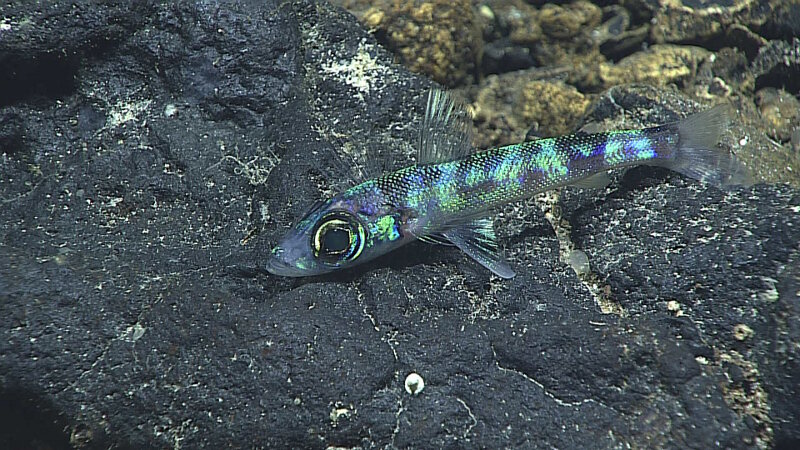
<point x="151" y="154"/>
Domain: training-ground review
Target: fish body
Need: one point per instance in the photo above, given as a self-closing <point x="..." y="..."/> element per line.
<point x="448" y="195"/>
<point x="486" y="180"/>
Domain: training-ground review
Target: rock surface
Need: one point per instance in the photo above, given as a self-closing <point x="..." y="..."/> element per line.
<point x="440" y="37"/>
<point x="152" y="154"/>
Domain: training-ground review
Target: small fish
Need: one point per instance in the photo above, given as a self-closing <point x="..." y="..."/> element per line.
<point x="447" y="195"/>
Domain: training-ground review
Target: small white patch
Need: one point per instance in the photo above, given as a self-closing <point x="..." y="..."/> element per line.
<point x="486" y="12"/>
<point x="113" y="202"/>
<point x="771" y="294"/>
<point x="133" y="333"/>
<point x="170" y="110"/>
<point x="414" y="383"/>
<point x="339" y="412"/>
<point x="122" y="112"/>
<point x="742" y="332"/>
<point x="361" y="72"/>
<point x="674" y="307"/>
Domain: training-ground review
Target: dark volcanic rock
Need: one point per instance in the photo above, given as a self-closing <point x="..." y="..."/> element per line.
<point x="139" y="202"/>
<point x="43" y="44"/>
<point x="778" y="65"/>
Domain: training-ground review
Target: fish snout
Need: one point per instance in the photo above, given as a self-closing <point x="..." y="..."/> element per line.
<point x="280" y="263"/>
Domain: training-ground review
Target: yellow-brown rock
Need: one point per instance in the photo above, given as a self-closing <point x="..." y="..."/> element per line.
<point x="658" y="66"/>
<point x="439" y="38"/>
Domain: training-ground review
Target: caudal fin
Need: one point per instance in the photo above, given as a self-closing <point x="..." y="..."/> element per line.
<point x="698" y="156"/>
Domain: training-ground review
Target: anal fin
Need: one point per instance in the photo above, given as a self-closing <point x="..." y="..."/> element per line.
<point x="597" y="181"/>
<point x="478" y="240"/>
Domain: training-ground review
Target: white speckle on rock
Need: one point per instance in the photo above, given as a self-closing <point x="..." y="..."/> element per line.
<point x="362" y="72"/>
<point x="674" y="307"/>
<point x="414" y="383"/>
<point x="133" y="333"/>
<point x="170" y="110"/>
<point x="742" y="332"/>
<point x="339" y="412"/>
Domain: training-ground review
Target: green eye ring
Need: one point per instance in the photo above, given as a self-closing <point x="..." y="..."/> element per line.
<point x="338" y="237"/>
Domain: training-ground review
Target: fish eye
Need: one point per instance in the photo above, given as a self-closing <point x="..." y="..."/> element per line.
<point x="338" y="238"/>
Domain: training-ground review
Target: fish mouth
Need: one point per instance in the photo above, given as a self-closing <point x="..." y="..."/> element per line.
<point x="278" y="267"/>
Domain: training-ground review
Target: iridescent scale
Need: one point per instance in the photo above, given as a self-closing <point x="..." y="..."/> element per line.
<point x="491" y="178"/>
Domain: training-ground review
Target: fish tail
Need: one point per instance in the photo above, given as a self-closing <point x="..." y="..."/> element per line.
<point x="698" y="156"/>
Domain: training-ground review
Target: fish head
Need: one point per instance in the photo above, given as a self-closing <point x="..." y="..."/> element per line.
<point x="339" y="233"/>
<point x="326" y="238"/>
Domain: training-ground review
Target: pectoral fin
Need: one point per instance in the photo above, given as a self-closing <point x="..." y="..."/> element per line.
<point x="477" y="239"/>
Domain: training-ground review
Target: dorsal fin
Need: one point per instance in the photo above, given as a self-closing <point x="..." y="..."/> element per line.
<point x="446" y="132"/>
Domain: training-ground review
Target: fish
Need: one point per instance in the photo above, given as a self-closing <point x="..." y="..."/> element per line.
<point x="448" y="195"/>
